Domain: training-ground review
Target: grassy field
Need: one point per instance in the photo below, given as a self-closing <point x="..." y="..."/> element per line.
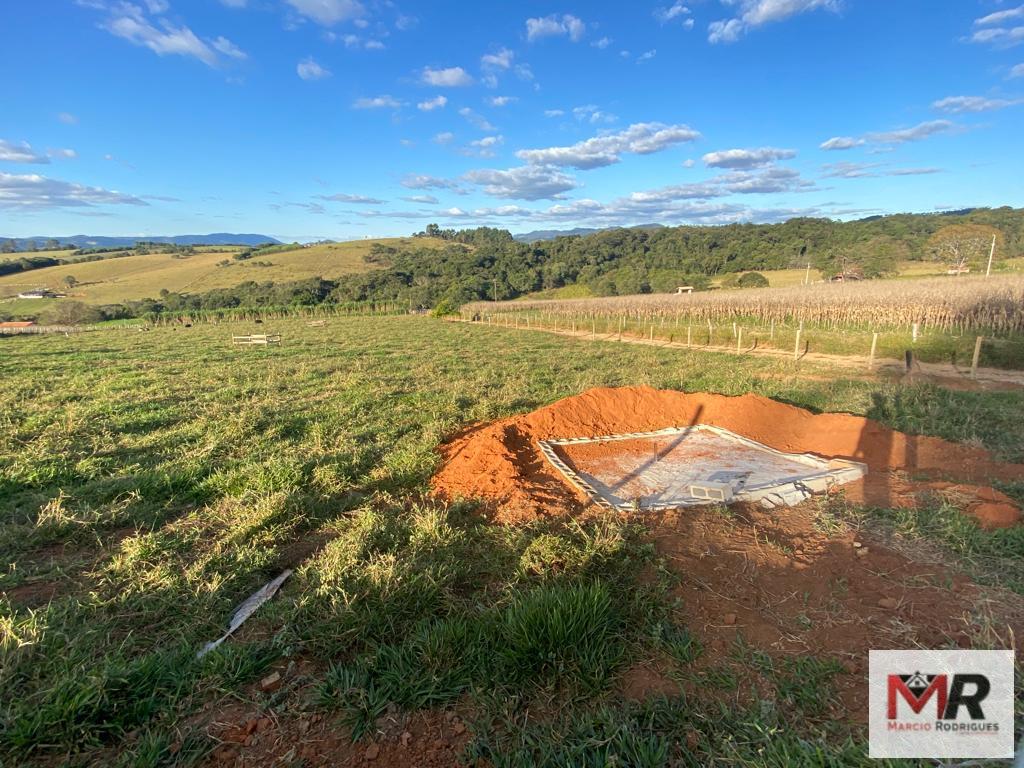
<point x="151" y="481"/>
<point x="111" y="281"/>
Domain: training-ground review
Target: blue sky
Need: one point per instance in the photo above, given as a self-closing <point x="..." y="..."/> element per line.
<point x="352" y="118"/>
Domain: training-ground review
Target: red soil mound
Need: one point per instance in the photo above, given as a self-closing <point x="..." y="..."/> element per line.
<point x="500" y="461"/>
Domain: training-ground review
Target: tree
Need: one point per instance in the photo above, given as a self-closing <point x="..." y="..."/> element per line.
<point x="70" y="281"/>
<point x="752" y="280"/>
<point x="960" y="245"/>
<point x="74" y="313"/>
<point x="52" y="244"/>
<point x="8" y="246"/>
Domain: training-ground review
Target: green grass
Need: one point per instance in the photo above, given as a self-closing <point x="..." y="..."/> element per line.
<point x="150" y="482"/>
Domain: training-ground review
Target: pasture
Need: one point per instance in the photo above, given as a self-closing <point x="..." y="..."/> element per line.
<point x="150" y="481"/>
<point x="127" y="278"/>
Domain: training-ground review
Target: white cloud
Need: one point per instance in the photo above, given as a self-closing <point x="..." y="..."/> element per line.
<point x="479" y="121"/>
<point x="902" y="136"/>
<point x="527" y="182"/>
<point x="65" y="153"/>
<point x="846" y="170"/>
<point x="423" y="181"/>
<point x="130" y="24"/>
<point x="754" y="13"/>
<point x="1000" y="16"/>
<point x="67" y="118"/>
<point x="501" y="101"/>
<point x="746" y="158"/>
<point x="310" y="70"/>
<point x="234" y="3"/>
<point x="665" y="15"/>
<point x="639" y="138"/>
<point x="592" y="114"/>
<point x="446" y="137"/>
<point x="554" y="112"/>
<point x="647" y="55"/>
<point x="484" y="147"/>
<point x="431" y="104"/>
<point x="157" y="6"/>
<point x="374" y="45"/>
<point x="377" y="102"/>
<point x="1003" y="37"/>
<point x="1017" y="71"/>
<point x="20" y="153"/>
<point x="841" y="142"/>
<point x="405" y="23"/>
<point x="554" y="25"/>
<point x="500" y="60"/>
<point x="915" y="133"/>
<point x="225" y="46"/>
<point x="424" y="199"/>
<point x="956" y="105"/>
<point x="31" y="191"/>
<point x="328" y="12"/>
<point x="602" y="43"/>
<point x="451" y="77"/>
<point x="344" y="197"/>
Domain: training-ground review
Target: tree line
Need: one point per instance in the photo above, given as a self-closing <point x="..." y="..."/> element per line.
<point x="488" y="264"/>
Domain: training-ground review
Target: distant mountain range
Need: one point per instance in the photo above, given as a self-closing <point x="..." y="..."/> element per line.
<point x="102" y="241"/>
<point x="551" y="234"/>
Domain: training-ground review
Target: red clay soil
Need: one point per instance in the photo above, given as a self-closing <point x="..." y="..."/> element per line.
<point x="499" y="462"/>
<point x="773" y="580"/>
<point x="250" y="739"/>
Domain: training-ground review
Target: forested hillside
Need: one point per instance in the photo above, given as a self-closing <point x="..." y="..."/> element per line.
<point x="488" y="264"/>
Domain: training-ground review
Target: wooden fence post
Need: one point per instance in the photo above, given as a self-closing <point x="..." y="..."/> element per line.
<point x="796" y="347"/>
<point x="874" y="346"/>
<point x="739" y="340"/>
<point x="689" y="336"/>
<point x="977" y="356"/>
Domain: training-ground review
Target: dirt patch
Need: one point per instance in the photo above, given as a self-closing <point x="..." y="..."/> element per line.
<point x="770" y="581"/>
<point x="430" y="739"/>
<point x="500" y="462"/>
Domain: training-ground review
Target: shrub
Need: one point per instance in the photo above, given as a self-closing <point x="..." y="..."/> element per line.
<point x="752" y="280"/>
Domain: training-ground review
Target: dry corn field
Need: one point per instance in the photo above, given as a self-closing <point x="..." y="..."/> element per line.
<point x="993" y="305"/>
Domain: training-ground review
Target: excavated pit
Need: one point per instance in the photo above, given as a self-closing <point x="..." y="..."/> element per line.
<point x="512" y="464"/>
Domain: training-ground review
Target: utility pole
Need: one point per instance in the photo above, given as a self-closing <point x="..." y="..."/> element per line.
<point x="991" y="253"/>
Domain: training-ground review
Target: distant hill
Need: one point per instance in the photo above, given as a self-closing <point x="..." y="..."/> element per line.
<point x="551" y="234"/>
<point x="103" y="241"/>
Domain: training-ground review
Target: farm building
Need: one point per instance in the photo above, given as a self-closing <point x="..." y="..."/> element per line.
<point x="17" y="324"/>
<point x="41" y="293"/>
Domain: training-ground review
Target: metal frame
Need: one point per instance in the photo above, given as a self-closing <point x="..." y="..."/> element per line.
<point x="829" y="472"/>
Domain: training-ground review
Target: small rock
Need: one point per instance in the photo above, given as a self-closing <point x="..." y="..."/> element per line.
<point x="459" y="727"/>
<point x="857" y="545"/>
<point x="862" y="552"/>
<point x="372" y="752"/>
<point x="439" y="744"/>
<point x="406" y="738"/>
<point x="798" y="543"/>
<point x="271" y="682"/>
<point x="888" y="602"/>
<point x="729" y="618"/>
<point x="692" y="739"/>
<point x="849" y="667"/>
<point x="449" y="715"/>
